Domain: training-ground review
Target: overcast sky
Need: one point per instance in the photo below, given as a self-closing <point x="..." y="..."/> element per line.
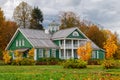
<point x="103" y="12"/>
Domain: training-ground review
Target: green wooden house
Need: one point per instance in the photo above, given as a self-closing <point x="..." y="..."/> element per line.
<point x="61" y="44"/>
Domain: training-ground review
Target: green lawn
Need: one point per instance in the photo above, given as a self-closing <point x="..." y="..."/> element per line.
<point x="57" y="73"/>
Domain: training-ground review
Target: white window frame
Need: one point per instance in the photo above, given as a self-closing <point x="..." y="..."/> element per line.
<point x="40" y="53"/>
<point x="93" y="54"/>
<point x="16" y="43"/>
<point x="69" y="53"/>
<point x="23" y="42"/>
<point x="75" y="33"/>
<point x="97" y="54"/>
<point x="20" y="43"/>
<point x="54" y="53"/>
<point x="47" y="53"/>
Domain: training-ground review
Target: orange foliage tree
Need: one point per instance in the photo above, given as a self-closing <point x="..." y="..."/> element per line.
<point x="6" y="57"/>
<point x="110" y="45"/>
<point x="85" y="51"/>
<point x="7" y="29"/>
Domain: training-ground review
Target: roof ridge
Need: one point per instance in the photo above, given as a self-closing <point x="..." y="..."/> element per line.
<point x="68" y="28"/>
<point x="37" y="38"/>
<point x="30" y="29"/>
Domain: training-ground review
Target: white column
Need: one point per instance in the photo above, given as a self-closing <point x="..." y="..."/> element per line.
<point x="60" y="50"/>
<point x="97" y="55"/>
<point x="72" y="50"/>
<point x="60" y="53"/>
<point x="35" y="54"/>
<point x="64" y="49"/>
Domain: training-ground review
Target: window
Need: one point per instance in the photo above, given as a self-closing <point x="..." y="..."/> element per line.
<point x="97" y="55"/>
<point x="62" y="54"/>
<point x="68" y="53"/>
<point x="23" y="42"/>
<point x="75" y="42"/>
<point x="62" y="43"/>
<point x="53" y="53"/>
<point x="19" y="42"/>
<point x="75" y="33"/>
<point x="47" y="53"/>
<point x="16" y="43"/>
<point x="40" y="53"/>
<point x="93" y="54"/>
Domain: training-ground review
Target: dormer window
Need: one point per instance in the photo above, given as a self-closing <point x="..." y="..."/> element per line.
<point x="75" y="33"/>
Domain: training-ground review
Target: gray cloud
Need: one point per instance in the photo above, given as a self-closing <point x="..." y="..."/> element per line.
<point x="2" y="2"/>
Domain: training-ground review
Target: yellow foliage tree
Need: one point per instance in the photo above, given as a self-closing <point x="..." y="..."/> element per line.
<point x="85" y="51"/>
<point x="18" y="57"/>
<point x="31" y="53"/>
<point x="110" y="46"/>
<point x="6" y="57"/>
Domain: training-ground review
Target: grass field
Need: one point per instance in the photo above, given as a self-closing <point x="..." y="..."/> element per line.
<point x="57" y="73"/>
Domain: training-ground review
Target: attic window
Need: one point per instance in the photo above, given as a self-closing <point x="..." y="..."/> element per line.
<point x="19" y="42"/>
<point x="23" y="42"/>
<point x="16" y="43"/>
<point x="75" y="33"/>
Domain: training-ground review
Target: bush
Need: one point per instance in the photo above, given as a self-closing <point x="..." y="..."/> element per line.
<point x="111" y="64"/>
<point x="75" y="63"/>
<point x="95" y="62"/>
<point x="1" y="55"/>
<point x="24" y="61"/>
<point x="2" y="62"/>
<point x="48" y="61"/>
<point x="27" y="61"/>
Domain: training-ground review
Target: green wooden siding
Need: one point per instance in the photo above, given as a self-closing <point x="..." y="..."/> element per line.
<point x="44" y="51"/>
<point x="56" y="42"/>
<point x="19" y="36"/>
<point x="57" y="53"/>
<point x="99" y="54"/>
<point x="81" y="36"/>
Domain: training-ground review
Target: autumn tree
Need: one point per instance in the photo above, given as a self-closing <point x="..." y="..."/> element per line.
<point x="2" y="21"/>
<point x="7" y="29"/>
<point x="6" y="57"/>
<point x="22" y="15"/>
<point x="2" y="18"/>
<point x="7" y="32"/>
<point x="68" y="20"/>
<point x="110" y="45"/>
<point x="117" y="53"/>
<point x="37" y="19"/>
<point x="85" y="51"/>
<point x="96" y="35"/>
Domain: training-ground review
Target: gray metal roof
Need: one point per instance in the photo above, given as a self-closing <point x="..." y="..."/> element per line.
<point x="63" y="33"/>
<point x="38" y="38"/>
<point x="94" y="46"/>
<point x="38" y="34"/>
